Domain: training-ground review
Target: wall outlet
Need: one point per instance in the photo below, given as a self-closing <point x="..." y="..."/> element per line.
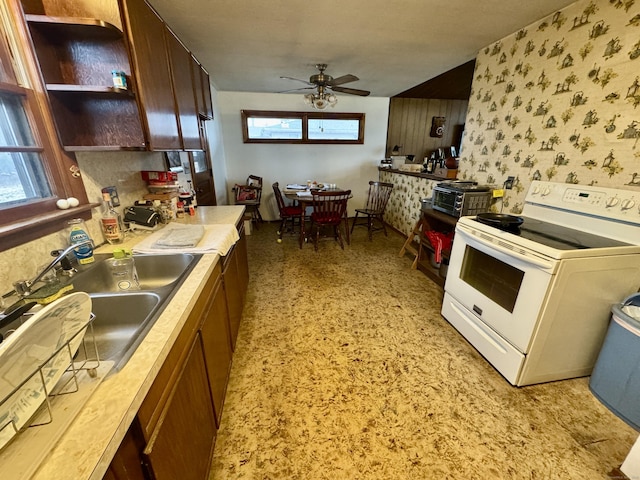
<point x="508" y="184"/>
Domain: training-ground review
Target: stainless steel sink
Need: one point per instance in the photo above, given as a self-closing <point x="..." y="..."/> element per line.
<point x="122" y="319"/>
<point x="154" y="272"/>
<point x="119" y="324"/>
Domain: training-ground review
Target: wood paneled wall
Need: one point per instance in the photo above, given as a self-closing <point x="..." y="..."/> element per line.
<point x="410" y="123"/>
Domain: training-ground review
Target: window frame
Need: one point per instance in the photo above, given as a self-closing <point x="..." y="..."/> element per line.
<point x="304" y="116"/>
<point x="20" y="77"/>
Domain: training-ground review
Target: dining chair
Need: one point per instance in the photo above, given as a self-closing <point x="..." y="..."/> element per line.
<point x="329" y="209"/>
<point x="287" y="212"/>
<point x="373" y="211"/>
<point x="250" y="195"/>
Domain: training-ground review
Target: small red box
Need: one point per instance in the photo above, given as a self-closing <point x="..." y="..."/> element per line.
<point x="159" y="177"/>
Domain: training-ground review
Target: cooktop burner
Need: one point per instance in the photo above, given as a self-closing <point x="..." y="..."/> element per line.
<point x="559" y="237"/>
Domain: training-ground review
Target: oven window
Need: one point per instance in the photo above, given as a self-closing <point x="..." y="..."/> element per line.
<point x="493" y="278"/>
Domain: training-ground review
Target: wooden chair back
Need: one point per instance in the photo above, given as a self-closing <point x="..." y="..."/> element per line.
<point x="329" y="207"/>
<point x="379" y="193"/>
<point x="278" y="194"/>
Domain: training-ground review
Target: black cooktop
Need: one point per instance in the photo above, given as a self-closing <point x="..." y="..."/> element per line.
<point x="559" y="237"/>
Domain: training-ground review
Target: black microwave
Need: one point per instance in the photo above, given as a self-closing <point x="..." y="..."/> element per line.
<point x="461" y="199"/>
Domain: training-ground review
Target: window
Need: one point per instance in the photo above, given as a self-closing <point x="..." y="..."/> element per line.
<point x="34" y="171"/>
<point x="302" y="127"/>
<point x="22" y="175"/>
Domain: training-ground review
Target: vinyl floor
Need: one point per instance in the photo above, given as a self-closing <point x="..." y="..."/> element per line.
<point x="344" y="369"/>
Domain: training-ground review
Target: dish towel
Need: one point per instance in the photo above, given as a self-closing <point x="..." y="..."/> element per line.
<point x="218" y="238"/>
<point x="188" y="236"/>
<point x="440" y="241"/>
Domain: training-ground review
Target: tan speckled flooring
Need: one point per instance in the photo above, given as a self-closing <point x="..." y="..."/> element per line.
<point x="344" y="369"/>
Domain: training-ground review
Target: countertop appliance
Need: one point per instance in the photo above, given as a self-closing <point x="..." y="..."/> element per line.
<point x="459" y="198"/>
<point x="535" y="301"/>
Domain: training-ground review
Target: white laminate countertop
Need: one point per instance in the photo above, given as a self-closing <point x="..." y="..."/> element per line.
<point x="89" y="444"/>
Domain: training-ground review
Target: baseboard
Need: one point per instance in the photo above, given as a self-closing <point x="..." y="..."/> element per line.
<point x="617" y="474"/>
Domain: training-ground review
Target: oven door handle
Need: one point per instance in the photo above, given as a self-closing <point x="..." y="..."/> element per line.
<point x="470" y="238"/>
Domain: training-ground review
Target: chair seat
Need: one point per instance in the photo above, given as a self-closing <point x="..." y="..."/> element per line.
<point x="369" y="211"/>
<point x="291" y="211"/>
<point x="248" y="202"/>
<point x="326" y="219"/>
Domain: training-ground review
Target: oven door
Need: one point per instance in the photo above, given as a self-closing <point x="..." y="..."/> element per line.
<point x="502" y="288"/>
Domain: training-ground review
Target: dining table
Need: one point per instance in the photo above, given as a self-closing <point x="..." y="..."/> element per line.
<point x="303" y="196"/>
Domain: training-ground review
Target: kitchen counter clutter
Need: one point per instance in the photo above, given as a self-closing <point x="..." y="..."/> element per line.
<point x="178" y="351"/>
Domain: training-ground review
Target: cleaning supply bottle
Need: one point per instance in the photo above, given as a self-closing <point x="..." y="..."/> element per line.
<point x="111" y="221"/>
<point x="77" y="234"/>
<point x="123" y="270"/>
<point x="194" y="199"/>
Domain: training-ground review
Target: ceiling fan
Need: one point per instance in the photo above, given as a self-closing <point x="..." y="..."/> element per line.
<point x="325" y="85"/>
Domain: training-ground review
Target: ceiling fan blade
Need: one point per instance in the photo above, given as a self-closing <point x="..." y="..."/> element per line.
<point x="351" y="91"/>
<point x="344" y="79"/>
<point x="298" y="89"/>
<point x="298" y="80"/>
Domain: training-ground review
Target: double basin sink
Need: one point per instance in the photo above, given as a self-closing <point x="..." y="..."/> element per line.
<point x="123" y="318"/>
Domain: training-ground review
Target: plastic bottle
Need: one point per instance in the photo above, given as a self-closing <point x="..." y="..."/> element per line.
<point x="78" y="233"/>
<point x="111" y="221"/>
<point x="194" y="198"/>
<point x="123" y="270"/>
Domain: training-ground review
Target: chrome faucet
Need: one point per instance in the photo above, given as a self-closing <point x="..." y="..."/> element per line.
<point x="23" y="287"/>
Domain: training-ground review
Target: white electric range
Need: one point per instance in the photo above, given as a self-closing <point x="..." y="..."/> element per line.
<point x="535" y="300"/>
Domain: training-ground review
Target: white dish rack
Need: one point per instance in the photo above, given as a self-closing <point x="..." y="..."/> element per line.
<point x="31" y="443"/>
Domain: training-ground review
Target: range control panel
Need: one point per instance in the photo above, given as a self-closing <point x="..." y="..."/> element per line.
<point x="611" y="203"/>
<point x="606" y="211"/>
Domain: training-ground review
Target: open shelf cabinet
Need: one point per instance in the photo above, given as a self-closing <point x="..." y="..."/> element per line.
<point x="76" y="57"/>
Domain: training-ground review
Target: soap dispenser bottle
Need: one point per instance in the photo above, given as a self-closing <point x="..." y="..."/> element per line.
<point x="78" y="234"/>
<point x="123" y="270"/>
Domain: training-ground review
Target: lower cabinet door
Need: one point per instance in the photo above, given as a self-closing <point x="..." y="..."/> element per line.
<point x="234" y="293"/>
<point x="126" y="463"/>
<point x="217" y="347"/>
<point x="181" y="446"/>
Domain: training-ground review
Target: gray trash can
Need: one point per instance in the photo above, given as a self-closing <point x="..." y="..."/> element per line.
<point x="615" y="379"/>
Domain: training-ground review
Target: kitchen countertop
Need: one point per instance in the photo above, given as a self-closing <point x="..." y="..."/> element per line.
<point x="87" y="447"/>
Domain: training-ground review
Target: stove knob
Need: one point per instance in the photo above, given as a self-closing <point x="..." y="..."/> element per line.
<point x="612" y="201"/>
<point x="546" y="191"/>
<point x="627" y="204"/>
<point x="536" y="190"/>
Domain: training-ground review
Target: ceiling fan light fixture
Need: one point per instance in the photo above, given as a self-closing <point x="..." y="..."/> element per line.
<point x="325" y="86"/>
<point x="320" y="101"/>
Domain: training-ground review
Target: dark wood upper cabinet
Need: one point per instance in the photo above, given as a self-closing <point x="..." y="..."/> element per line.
<point x="184" y="92"/>
<point x="206" y="92"/>
<point x="76" y="57"/>
<point x="146" y="33"/>
<point x="79" y="44"/>
<point x="202" y="89"/>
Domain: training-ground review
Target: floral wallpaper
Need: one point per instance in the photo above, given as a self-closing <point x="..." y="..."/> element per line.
<point x="559" y="101"/>
<point x="403" y="209"/>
